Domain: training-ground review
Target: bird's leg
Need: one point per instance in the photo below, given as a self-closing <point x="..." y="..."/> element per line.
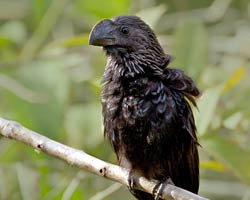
<point x="158" y="189"/>
<point x="131" y="181"/>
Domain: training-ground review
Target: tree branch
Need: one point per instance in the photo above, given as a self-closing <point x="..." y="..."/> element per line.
<point x="80" y="159"/>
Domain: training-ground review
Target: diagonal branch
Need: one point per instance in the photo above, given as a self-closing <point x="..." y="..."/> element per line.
<point x="78" y="158"/>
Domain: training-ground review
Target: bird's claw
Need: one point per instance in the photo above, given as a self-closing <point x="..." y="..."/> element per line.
<point x="131" y="182"/>
<point x="158" y="189"/>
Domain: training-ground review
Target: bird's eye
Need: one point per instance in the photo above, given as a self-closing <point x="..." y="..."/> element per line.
<point x="124" y="30"/>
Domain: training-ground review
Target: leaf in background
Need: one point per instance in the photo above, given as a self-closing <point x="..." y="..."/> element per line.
<point x="42" y="31"/>
<point x="103" y="9"/>
<point x="9" y="188"/>
<point x="75" y="41"/>
<point x="96" y="86"/>
<point x="212" y="165"/>
<point x="28" y="180"/>
<point x="191" y="47"/>
<point x="50" y="79"/>
<point x="83" y="124"/>
<point x="232" y="121"/>
<point x="230" y="154"/>
<point x="207" y="106"/>
<point x="39" y="8"/>
<point x="4" y="41"/>
<point x="15" y="31"/>
<point x="20" y="90"/>
<point x="152" y="15"/>
<point x="237" y="76"/>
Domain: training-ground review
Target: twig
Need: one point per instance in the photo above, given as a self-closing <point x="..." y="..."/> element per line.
<point x="78" y="158"/>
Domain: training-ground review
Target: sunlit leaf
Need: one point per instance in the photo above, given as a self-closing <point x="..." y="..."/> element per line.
<point x="206" y="108"/>
<point x="191" y="47"/>
<point x="212" y="165"/>
<point x="230" y="154"/>
<point x="237" y="76"/>
<point x="4" y="41"/>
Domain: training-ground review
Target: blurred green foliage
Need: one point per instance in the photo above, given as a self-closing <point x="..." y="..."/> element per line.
<point x="49" y="82"/>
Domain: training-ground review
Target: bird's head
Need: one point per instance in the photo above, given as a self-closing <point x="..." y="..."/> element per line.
<point x="124" y="34"/>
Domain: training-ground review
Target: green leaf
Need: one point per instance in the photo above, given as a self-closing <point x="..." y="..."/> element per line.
<point x="43" y="109"/>
<point x="77" y="40"/>
<point x="8" y="182"/>
<point x="206" y="108"/>
<point x="237" y="76"/>
<point x="152" y="15"/>
<point x="95" y="86"/>
<point x="39" y="8"/>
<point x="15" y="31"/>
<point x="212" y="165"/>
<point x="103" y="9"/>
<point x="230" y="154"/>
<point x="191" y="47"/>
<point x="4" y="41"/>
<point x="28" y="186"/>
<point x="232" y="121"/>
<point x="84" y="125"/>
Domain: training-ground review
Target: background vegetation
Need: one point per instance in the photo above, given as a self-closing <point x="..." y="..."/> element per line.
<point x="49" y="82"/>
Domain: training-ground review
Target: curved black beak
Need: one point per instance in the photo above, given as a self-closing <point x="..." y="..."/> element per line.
<point x="102" y="34"/>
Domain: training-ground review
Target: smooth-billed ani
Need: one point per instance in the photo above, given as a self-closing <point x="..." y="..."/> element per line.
<point x="147" y="115"/>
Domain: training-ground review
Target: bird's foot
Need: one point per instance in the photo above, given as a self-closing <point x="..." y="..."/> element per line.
<point x="159" y="187"/>
<point x="131" y="182"/>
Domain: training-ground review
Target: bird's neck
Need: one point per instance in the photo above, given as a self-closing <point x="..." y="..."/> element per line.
<point x="135" y="64"/>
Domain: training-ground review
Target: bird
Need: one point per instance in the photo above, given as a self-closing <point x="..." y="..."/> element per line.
<point x="147" y="106"/>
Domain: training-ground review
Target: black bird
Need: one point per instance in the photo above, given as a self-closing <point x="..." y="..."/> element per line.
<point x="146" y="105"/>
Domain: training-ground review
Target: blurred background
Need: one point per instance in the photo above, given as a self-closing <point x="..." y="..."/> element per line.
<point x="50" y="82"/>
